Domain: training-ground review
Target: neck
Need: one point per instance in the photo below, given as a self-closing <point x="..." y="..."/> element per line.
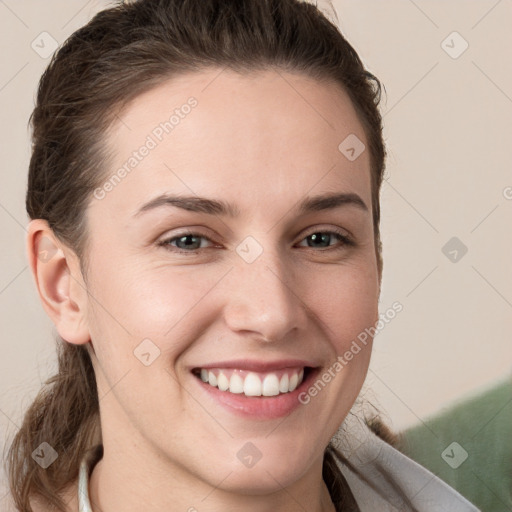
<point x="118" y="483"/>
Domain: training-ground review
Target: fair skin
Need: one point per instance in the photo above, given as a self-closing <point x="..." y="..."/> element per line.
<point x="265" y="143"/>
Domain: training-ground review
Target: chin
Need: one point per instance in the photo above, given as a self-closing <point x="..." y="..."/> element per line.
<point x="276" y="468"/>
<point x="261" y="480"/>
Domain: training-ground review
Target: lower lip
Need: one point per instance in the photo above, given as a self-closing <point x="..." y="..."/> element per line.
<point x="259" y="407"/>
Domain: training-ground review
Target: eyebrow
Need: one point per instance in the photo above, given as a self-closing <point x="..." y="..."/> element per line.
<point x="218" y="207"/>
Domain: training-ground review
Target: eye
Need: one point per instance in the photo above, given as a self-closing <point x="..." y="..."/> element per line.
<point x="186" y="242"/>
<point x="190" y="242"/>
<point x="319" y="238"/>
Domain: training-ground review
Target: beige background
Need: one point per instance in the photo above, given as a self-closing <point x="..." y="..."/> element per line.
<point x="447" y="128"/>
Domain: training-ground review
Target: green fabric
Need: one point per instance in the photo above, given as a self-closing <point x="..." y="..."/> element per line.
<point x="482" y="427"/>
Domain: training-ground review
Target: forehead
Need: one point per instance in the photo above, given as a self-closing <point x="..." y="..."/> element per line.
<point x="218" y="130"/>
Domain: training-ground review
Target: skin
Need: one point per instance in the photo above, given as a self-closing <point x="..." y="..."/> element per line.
<point x="264" y="142"/>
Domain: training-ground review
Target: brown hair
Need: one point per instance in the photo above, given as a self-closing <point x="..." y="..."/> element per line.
<point x="122" y="52"/>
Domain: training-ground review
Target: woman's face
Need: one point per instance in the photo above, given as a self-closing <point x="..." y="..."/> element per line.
<point x="256" y="290"/>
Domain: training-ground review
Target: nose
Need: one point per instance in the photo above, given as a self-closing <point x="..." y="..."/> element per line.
<point x="265" y="297"/>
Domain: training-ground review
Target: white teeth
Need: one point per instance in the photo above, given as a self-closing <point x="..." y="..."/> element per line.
<point x="253" y="384"/>
<point x="270" y="385"/>
<point x="284" y="384"/>
<point x="294" y="380"/>
<point x="212" y="379"/>
<point x="236" y="384"/>
<point x="222" y="382"/>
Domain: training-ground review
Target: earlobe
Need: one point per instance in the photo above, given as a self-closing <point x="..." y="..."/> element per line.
<point x="59" y="282"/>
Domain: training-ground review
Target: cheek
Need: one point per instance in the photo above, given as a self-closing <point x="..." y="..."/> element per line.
<point x="143" y="301"/>
<point x="346" y="300"/>
<point x="162" y="305"/>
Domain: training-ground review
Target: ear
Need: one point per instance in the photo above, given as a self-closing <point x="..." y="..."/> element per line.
<point x="59" y="281"/>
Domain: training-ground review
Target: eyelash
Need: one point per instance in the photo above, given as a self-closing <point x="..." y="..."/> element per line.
<point x="346" y="241"/>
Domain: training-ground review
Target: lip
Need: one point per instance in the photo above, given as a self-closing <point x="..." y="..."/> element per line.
<point x="258" y="366"/>
<point x="258" y="407"/>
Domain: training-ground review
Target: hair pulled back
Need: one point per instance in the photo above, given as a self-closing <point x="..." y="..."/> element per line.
<point x="121" y="53"/>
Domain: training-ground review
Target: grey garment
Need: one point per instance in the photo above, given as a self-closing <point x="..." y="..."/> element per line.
<point x="384" y="479"/>
<point x="380" y="477"/>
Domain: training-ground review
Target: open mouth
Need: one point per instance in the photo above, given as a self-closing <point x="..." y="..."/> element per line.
<point x="254" y="384"/>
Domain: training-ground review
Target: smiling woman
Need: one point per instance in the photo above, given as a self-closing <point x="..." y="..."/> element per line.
<point x="196" y="284"/>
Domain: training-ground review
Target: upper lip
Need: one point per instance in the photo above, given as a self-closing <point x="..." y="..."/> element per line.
<point x="259" y="366"/>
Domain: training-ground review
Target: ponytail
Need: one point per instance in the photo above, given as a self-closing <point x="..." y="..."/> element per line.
<point x="65" y="415"/>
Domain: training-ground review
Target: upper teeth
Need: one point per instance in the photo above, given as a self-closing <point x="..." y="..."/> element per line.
<point x="253" y="383"/>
